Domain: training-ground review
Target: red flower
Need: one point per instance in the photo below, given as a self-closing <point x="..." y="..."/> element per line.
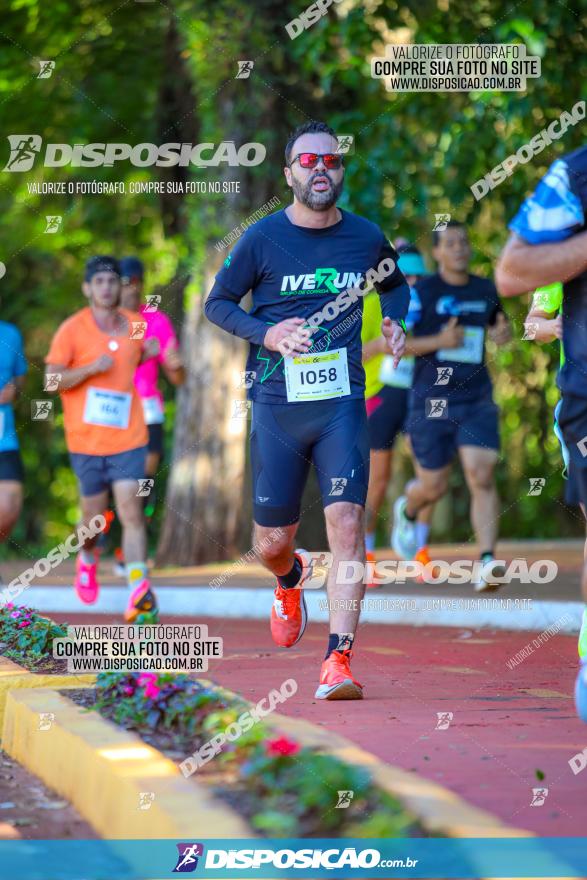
<point x="24" y="623"/>
<point x="282" y="746"/>
<point x="128" y="690"/>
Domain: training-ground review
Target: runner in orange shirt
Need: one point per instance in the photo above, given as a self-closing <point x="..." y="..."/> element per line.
<point x="92" y="362"/>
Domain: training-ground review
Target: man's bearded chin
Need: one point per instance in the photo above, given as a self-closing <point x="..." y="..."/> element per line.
<point x="316" y="201"/>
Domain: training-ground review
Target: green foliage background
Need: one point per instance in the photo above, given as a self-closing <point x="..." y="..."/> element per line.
<point x="157" y="72"/>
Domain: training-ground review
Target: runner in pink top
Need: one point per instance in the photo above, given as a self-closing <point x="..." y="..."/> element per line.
<point x="147" y="375"/>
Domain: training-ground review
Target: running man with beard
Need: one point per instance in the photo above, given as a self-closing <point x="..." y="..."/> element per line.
<point x="93" y="358"/>
<point x="549" y="244"/>
<point x="308" y="391"/>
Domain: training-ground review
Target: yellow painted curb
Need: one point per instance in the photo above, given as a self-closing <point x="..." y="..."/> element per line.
<point x="437" y="808"/>
<point x="102" y="769"/>
<point x="14" y="677"/>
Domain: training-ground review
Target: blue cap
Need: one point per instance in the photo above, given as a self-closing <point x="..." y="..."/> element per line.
<point x="101" y="264"/>
<point x="410" y="264"/>
<point x="131" y="267"/>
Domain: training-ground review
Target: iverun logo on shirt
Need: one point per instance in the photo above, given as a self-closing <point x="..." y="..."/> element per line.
<point x="449" y="305"/>
<point x="320" y="282"/>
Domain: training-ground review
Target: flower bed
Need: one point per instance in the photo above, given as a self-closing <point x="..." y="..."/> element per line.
<point x="281" y="788"/>
<point x="27" y="638"/>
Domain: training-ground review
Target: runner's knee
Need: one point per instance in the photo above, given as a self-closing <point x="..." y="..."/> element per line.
<point x="480" y="477"/>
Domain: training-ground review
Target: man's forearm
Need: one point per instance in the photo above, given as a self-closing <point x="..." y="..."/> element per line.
<point x="523" y="267"/>
<point x="419" y="345"/>
<point x="222" y="309"/>
<point x="395" y="302"/>
<point x="70" y="378"/>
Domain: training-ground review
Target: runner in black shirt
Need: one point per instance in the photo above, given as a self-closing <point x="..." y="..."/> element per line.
<point x="451" y="403"/>
<point x="549" y="244"/>
<point x="308" y="384"/>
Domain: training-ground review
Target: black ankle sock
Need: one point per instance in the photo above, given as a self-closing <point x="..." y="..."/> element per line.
<point x="411" y="517"/>
<point x="487" y="554"/>
<point x="292" y="578"/>
<point x="339" y="642"/>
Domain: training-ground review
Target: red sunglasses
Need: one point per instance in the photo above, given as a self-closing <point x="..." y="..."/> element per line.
<point x="332" y="161"/>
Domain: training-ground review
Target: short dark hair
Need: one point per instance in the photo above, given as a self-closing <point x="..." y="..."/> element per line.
<point x="312" y="127"/>
<point x="452" y="224"/>
<point x="101" y="264"/>
<point x="408" y="249"/>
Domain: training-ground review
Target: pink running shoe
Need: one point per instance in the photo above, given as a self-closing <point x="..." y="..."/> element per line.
<point x="141" y="599"/>
<point x="86" y="581"/>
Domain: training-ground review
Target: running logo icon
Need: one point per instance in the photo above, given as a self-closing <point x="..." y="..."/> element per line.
<point x="41" y="410"/>
<point x="53" y="223"/>
<point x="530" y="331"/>
<point x="344" y="799"/>
<point x="247" y="379"/>
<point x="23" y="151"/>
<point x="138" y="329"/>
<point x="244" y="69"/>
<point x="187" y="861"/>
<point x="539" y="795"/>
<point x="146" y="798"/>
<point x="338" y="485"/>
<point x="152" y="303"/>
<point x="46" y="719"/>
<point x="47" y="68"/>
<point x="441" y="222"/>
<point x="52" y="381"/>
<point x="444" y="719"/>
<point x="145" y="487"/>
<point x="346" y="144"/>
<point x="537" y="484"/>
<point x="444" y="374"/>
<point x="241" y="409"/>
<point x="436" y="408"/>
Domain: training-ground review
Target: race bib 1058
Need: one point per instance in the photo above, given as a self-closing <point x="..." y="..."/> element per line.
<point x="317" y="376"/>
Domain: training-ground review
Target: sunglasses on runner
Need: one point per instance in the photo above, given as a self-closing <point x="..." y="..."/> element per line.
<point x="332" y="161"/>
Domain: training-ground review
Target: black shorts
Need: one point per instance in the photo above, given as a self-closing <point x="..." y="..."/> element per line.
<point x="286" y="438"/>
<point x="96" y="473"/>
<point x="572" y="418"/>
<point x="156" y="439"/>
<point x="435" y="440"/>
<point x="11" y="466"/>
<point x="386" y="411"/>
<point x="572" y="492"/>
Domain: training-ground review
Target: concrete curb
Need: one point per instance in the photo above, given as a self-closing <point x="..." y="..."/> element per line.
<point x="116" y="766"/>
<point x="438" y="809"/>
<point x="254" y="603"/>
<point x="15" y="677"/>
<point x="102" y="770"/>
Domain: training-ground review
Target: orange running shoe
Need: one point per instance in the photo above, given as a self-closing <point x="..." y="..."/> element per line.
<point x="289" y="614"/>
<point x="141" y="599"/>
<point x="336" y="679"/>
<point x="370" y="558"/>
<point x="423" y="556"/>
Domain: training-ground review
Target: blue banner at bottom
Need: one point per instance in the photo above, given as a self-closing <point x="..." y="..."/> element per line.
<point x="365" y="858"/>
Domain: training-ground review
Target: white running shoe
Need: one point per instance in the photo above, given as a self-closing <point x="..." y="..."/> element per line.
<point x="403" y="536"/>
<point x="489" y="579"/>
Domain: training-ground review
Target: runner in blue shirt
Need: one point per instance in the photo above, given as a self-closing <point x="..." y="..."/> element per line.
<point x="549" y="244"/>
<point x="13" y="367"/>
<point x="304" y="265"/>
